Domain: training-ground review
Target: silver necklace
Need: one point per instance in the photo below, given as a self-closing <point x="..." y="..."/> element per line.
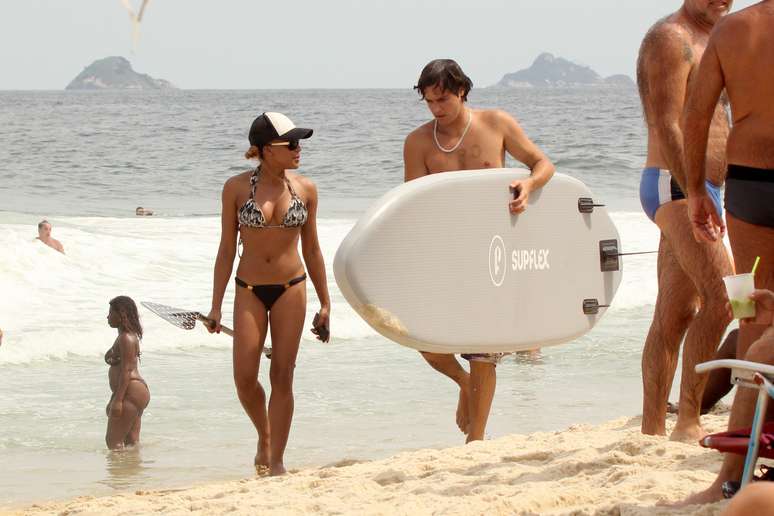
<point x="459" y="142"/>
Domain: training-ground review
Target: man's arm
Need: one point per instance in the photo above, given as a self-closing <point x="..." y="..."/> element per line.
<point x="669" y="59"/>
<point x="413" y="160"/>
<point x="699" y="109"/>
<point x="518" y="145"/>
<point x="697" y="117"/>
<point x="58" y="246"/>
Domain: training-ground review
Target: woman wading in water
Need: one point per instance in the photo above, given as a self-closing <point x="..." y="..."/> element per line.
<point x="268" y="209"/>
<point x="130" y="392"/>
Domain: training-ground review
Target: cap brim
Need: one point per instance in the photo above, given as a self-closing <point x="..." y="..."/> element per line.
<point x="297" y="133"/>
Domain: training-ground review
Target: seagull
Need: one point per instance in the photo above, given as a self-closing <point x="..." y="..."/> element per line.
<point x="136" y="19"/>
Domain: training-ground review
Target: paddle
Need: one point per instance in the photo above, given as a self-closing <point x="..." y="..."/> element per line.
<point x="186" y="319"/>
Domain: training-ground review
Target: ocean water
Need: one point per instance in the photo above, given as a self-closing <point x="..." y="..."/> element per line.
<point x="85" y="160"/>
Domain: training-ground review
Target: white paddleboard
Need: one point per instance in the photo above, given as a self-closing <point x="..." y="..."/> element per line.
<point x="439" y="264"/>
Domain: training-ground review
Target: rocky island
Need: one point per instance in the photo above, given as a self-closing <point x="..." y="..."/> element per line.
<point x="115" y="73"/>
<point x="550" y="71"/>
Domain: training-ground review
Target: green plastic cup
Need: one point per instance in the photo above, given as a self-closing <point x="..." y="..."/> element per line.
<point x="739" y="288"/>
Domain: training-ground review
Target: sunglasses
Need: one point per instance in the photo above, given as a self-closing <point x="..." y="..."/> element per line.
<point x="291" y="144"/>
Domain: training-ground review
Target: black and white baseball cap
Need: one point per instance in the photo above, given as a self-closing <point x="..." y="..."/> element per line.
<point x="275" y="126"/>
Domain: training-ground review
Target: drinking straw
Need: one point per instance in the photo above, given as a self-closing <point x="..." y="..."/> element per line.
<point x="755" y="265"/>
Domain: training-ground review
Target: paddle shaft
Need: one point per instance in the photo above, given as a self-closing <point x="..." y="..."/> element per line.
<point x="209" y="322"/>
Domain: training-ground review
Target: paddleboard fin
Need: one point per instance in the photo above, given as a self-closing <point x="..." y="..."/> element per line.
<point x="592" y="306"/>
<point x="608" y="256"/>
<point x="586" y="205"/>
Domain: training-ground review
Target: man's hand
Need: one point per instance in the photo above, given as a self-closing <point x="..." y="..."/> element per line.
<point x="764" y="307"/>
<point x="521" y="189"/>
<point x="705" y="221"/>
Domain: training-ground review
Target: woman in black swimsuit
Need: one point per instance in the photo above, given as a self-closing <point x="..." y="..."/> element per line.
<point x="130" y="392"/>
<point x="267" y="210"/>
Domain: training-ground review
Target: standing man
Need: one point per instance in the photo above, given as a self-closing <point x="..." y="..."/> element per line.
<point x="740" y="59"/>
<point x="461" y="138"/>
<point x="690" y="299"/>
<point x="44" y="235"/>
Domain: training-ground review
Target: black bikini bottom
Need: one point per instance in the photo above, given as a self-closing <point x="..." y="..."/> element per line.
<point x="269" y="294"/>
<point x="750" y="194"/>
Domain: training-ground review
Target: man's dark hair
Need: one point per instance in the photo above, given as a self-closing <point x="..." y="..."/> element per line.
<point x="43" y="223"/>
<point x="445" y="73"/>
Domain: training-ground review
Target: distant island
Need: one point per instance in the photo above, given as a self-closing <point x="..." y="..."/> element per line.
<point x="115" y="73"/>
<point x="549" y="71"/>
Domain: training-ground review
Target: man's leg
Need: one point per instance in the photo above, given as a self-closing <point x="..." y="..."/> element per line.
<point x="719" y="381"/>
<point x="705" y="265"/>
<point x="483" y="379"/>
<point x="747" y="242"/>
<point x="675" y="308"/>
<point x="448" y="365"/>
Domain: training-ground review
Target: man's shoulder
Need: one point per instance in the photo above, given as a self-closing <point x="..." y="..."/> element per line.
<point x="423" y="131"/>
<point x="420" y="135"/>
<point x="668" y="43"/>
<point x="734" y="24"/>
<point x="668" y="31"/>
<point x="494" y="117"/>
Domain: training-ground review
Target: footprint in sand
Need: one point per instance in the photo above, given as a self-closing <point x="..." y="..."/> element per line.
<point x="539" y="456"/>
<point x="389" y="477"/>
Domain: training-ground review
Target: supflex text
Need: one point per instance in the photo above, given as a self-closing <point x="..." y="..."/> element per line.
<point x="530" y="259"/>
<point x="520" y="260"/>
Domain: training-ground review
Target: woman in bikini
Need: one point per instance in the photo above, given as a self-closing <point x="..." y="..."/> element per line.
<point x="267" y="210"/>
<point x="130" y="392"/>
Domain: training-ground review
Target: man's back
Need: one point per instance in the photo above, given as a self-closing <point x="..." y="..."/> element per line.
<point x="744" y="45"/>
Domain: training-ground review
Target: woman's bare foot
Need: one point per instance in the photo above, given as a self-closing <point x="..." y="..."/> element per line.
<point x="262" y="456"/>
<point x="463" y="412"/>
<point x="687" y="434"/>
<point x="277" y="469"/>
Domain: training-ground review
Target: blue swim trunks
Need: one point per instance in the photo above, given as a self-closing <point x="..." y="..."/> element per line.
<point x="658" y="187"/>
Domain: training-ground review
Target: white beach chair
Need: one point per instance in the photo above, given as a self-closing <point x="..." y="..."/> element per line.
<point x="749" y="375"/>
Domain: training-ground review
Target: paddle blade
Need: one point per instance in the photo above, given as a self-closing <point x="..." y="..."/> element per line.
<point x="184" y="319"/>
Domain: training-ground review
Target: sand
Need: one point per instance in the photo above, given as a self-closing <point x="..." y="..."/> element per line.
<point x="608" y="469"/>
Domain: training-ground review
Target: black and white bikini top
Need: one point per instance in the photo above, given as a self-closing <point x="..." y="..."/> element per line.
<point x="251" y="215"/>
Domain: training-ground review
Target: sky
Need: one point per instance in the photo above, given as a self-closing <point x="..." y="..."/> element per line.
<point x="257" y="44"/>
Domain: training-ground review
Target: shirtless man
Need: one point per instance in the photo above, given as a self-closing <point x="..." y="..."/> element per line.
<point x="44" y="235"/>
<point x="461" y="138"/>
<point x="740" y="59"/>
<point x="690" y="303"/>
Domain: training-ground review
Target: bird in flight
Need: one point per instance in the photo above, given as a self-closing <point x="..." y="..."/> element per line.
<point x="136" y="19"/>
